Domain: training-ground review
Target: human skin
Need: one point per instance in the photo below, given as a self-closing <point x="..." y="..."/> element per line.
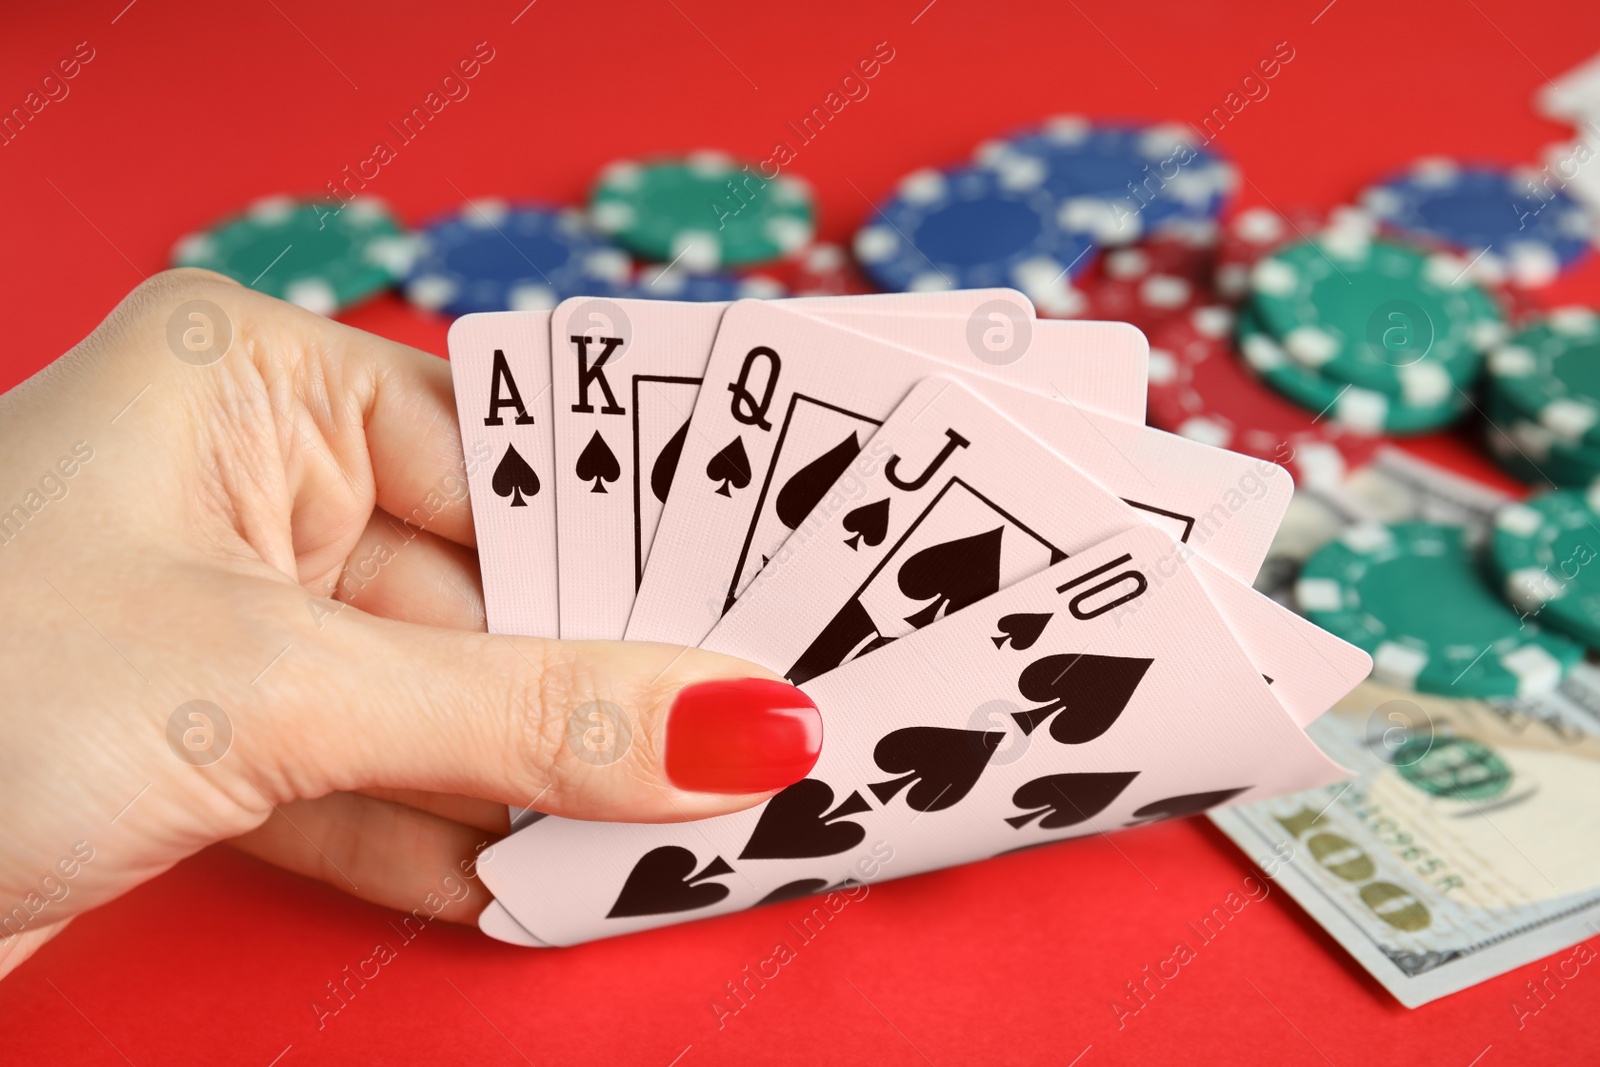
<point x="203" y="547"/>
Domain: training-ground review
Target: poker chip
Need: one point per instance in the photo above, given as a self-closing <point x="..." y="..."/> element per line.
<point x="1257" y="232"/>
<point x="1518" y="304"/>
<point x="1412" y="596"/>
<point x="307" y="252"/>
<point x="817" y="270"/>
<point x="1514" y="462"/>
<point x="702" y="211"/>
<point x="672" y="283"/>
<point x="1150" y="283"/>
<point x="1114" y="182"/>
<point x="1533" y="455"/>
<point x="494" y="256"/>
<point x="1362" y="410"/>
<point x="1509" y="219"/>
<point x="1376" y="314"/>
<point x="1200" y="390"/>
<point x="1541" y="551"/>
<point x="1549" y="372"/>
<point x="1551" y="471"/>
<point x="964" y="229"/>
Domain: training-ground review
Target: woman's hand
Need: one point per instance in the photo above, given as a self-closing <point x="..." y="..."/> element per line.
<point x="242" y="602"/>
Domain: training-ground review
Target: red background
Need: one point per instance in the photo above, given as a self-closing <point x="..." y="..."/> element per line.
<point x="190" y="110"/>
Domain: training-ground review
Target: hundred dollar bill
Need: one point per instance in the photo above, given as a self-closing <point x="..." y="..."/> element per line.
<point x="1467" y="845"/>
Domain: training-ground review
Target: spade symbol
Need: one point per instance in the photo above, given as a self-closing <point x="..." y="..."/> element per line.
<point x="952" y="573"/>
<point x="730" y="467"/>
<point x="810" y="483"/>
<point x="1089" y="691"/>
<point x="804" y="887"/>
<point x="868" y="523"/>
<point x="1029" y="847"/>
<point x="666" y="464"/>
<point x="664" y="881"/>
<point x="1067" y="799"/>
<point x="851" y="630"/>
<point x="796" y="824"/>
<point x="944" y="763"/>
<point x="1022" y="629"/>
<point x="514" y="478"/>
<point x="598" y="464"/>
<point x="1187" y="804"/>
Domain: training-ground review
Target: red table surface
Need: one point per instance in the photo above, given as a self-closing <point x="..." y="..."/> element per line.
<point x="190" y="110"/>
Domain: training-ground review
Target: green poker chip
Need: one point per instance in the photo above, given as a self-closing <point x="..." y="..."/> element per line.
<point x="703" y="211"/>
<point x="1413" y="597"/>
<point x="1377" y="315"/>
<point x="1550" y="373"/>
<point x="1363" y="410"/>
<point x="1511" y="448"/>
<point x="307" y="252"/>
<point x="1554" y="469"/>
<point x="1534" y="454"/>
<point x="1544" y="553"/>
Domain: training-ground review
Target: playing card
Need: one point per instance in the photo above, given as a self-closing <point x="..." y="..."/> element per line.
<point x="947" y="746"/>
<point x="939" y="510"/>
<point x="626" y="373"/>
<point x="789" y="401"/>
<point x="498" y="923"/>
<point x="1101" y="366"/>
<point x="500" y="366"/>
<point x="943" y="508"/>
<point x="1308" y="669"/>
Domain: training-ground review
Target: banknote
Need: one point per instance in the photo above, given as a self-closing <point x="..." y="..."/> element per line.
<point x="1465" y="846"/>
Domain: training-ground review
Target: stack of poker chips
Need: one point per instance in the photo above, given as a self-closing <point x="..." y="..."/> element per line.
<point x="1372" y="330"/>
<point x="1442" y="609"/>
<point x="1543" y="400"/>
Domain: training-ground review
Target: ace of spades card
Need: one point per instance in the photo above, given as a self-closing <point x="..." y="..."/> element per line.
<point x="500" y="365"/>
<point x="1132" y="701"/>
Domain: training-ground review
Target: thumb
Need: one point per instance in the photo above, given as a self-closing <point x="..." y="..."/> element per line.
<point x="609" y="730"/>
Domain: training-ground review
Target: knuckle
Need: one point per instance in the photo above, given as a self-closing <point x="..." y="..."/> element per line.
<point x="576" y="727"/>
<point x="157" y="294"/>
<point x="192" y="280"/>
<point x="539" y="709"/>
<point x="138" y="336"/>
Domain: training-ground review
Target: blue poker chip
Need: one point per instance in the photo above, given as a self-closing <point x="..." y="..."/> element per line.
<point x="964" y="229"/>
<point x="1117" y="183"/>
<point x="493" y="256"/>
<point x="674" y="283"/>
<point x="1526" y="232"/>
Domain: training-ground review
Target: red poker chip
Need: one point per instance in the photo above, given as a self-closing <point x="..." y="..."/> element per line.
<point x="817" y="270"/>
<point x="1150" y="283"/>
<point x="1519" y="304"/>
<point x="1257" y="232"/>
<point x="1200" y="389"/>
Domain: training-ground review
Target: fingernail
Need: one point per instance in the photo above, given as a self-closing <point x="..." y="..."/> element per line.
<point x="745" y="735"/>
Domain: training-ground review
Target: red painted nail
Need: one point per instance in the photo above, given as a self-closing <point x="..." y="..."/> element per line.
<point x="745" y="735"/>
